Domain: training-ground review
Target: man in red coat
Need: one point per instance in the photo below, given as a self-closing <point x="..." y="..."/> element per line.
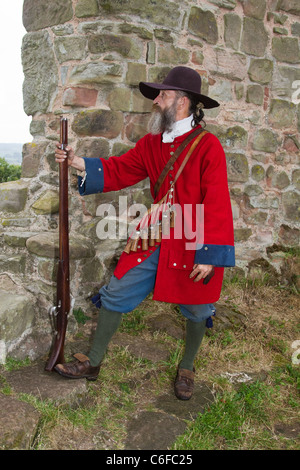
<point x="188" y="181"/>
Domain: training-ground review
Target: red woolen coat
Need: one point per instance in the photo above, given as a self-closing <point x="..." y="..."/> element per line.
<point x="203" y="181"/>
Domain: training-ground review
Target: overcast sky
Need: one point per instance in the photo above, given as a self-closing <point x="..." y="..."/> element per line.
<point x="14" y="123"/>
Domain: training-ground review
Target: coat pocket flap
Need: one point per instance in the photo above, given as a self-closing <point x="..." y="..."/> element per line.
<point x="181" y="260"/>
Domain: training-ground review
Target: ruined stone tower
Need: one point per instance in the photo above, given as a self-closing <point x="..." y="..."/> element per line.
<point x="83" y="59"/>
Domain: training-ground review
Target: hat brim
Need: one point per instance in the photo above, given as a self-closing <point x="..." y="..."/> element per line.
<point x="151" y="91"/>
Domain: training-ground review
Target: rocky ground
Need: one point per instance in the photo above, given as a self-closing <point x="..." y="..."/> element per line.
<point x="156" y="418"/>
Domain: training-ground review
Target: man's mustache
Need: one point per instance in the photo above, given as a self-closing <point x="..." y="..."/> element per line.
<point x="156" y="108"/>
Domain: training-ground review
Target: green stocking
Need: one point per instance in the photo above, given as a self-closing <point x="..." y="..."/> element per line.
<point x="108" y="323"/>
<point x="194" y="334"/>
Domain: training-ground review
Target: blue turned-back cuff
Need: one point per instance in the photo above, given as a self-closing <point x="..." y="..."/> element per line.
<point x="93" y="181"/>
<point x="217" y="255"/>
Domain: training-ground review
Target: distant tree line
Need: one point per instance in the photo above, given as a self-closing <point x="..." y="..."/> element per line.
<point x="9" y="172"/>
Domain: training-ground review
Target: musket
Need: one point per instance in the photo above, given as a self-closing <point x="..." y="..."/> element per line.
<point x="60" y="311"/>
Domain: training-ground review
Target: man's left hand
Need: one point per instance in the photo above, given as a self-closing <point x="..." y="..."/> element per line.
<point x="201" y="271"/>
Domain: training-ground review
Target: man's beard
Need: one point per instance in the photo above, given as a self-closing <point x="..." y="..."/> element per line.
<point x="162" y="120"/>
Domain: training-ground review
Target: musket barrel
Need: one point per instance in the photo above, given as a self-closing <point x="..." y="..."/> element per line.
<point x="63" y="281"/>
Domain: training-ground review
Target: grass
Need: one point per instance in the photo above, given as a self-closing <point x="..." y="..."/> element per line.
<point x="241" y="419"/>
<point x="259" y="414"/>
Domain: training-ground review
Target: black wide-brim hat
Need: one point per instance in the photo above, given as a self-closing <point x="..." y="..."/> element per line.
<point x="179" y="78"/>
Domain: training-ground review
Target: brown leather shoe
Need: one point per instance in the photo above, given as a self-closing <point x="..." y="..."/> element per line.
<point x="184" y="384"/>
<point x="79" y="369"/>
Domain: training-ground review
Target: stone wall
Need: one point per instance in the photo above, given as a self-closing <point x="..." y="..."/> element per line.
<point x="84" y="59"/>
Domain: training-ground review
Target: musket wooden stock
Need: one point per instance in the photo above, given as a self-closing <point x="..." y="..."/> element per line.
<point x="62" y="308"/>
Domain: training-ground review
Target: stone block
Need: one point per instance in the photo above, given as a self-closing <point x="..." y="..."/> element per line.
<point x="282" y="114"/>
<point x="158" y="74"/>
<point x="232" y="30"/>
<point x="277" y="179"/>
<point x="284" y="79"/>
<point x="264" y="202"/>
<point x="254" y="8"/>
<point x="63" y="29"/>
<point x="221" y="91"/>
<point x="142" y="33"/>
<point x="253" y="190"/>
<point x="163" y="35"/>
<point x="289" y="236"/>
<point x="260" y="71"/>
<point x="47" y="269"/>
<point x="40" y="72"/>
<point x="120" y="148"/>
<point x="136" y="73"/>
<point x="92" y="148"/>
<point x="86" y="8"/>
<point x="255" y="94"/>
<point x="242" y="234"/>
<point x="42" y="14"/>
<point x="33" y="380"/>
<point x="279" y="30"/>
<point x="291" y="144"/>
<point x="291" y="205"/>
<point x="137" y="127"/>
<point x="229" y="4"/>
<point x="70" y="48"/>
<point x="257" y="218"/>
<point x="13" y="196"/>
<point x="286" y="49"/>
<point x="265" y="141"/>
<point x="96" y="73"/>
<point x="18" y="425"/>
<point x="81" y="97"/>
<point x="237" y="167"/>
<point x="164" y="13"/>
<point x="203" y="24"/>
<point x="197" y="57"/>
<point x="123" y="45"/>
<point x="13" y="264"/>
<point x="16" y="315"/>
<point x="226" y="63"/>
<point x="100" y="122"/>
<point x="46" y="245"/>
<point x="169" y="54"/>
<point x="254" y="37"/>
<point x="37" y="128"/>
<point x="139" y="103"/>
<point x="91" y="270"/>
<point x="47" y="203"/>
<point x="151" y="52"/>
<point x="17" y="239"/>
<point x="32" y="156"/>
<point x="239" y="90"/>
<point x="296" y="29"/>
<point x="232" y="137"/>
<point x="17" y="222"/>
<point x="258" y="172"/>
<point x="290" y="6"/>
<point x="120" y="99"/>
<point x="296" y="178"/>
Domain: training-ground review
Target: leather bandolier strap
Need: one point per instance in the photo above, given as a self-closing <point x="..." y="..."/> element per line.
<point x="153" y="234"/>
<point x="174" y="157"/>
